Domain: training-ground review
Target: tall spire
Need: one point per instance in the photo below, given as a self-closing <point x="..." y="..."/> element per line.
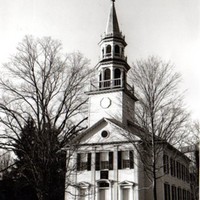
<point x="112" y="24"/>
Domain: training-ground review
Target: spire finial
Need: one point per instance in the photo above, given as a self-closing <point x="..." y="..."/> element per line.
<point x="112" y="25"/>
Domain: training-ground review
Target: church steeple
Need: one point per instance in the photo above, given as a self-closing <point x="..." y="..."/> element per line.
<point x="110" y="94"/>
<point x="112" y="25"/>
<point x="113" y="63"/>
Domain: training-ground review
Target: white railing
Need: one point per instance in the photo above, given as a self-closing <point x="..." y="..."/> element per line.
<point x="106" y="84"/>
<point x="114" y="55"/>
<point x="110" y="84"/>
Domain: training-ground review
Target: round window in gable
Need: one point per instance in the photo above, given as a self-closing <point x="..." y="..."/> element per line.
<point x="104" y="134"/>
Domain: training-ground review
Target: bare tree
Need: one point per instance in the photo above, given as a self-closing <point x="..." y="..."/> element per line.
<point x="191" y="148"/>
<point x="45" y="87"/>
<point x="160" y="111"/>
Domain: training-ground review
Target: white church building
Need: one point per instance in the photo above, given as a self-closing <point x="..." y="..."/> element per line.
<point x="106" y="164"/>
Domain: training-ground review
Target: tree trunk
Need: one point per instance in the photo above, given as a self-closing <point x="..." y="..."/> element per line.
<point x="154" y="178"/>
<point x="154" y="159"/>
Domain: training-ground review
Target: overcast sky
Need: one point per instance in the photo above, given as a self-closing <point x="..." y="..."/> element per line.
<point x="169" y="29"/>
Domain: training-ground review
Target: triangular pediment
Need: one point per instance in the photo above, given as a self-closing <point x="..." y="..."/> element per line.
<point x="107" y="131"/>
<point x="127" y="183"/>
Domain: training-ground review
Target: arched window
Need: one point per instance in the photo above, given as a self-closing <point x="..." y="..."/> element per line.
<point x="117" y="77"/>
<point x="107" y="78"/>
<point x="107" y="74"/>
<point x="117" y="51"/>
<point x="108" y="50"/>
<point x="117" y="73"/>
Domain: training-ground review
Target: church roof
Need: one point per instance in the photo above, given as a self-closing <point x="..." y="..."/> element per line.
<point x="112" y="24"/>
<point x="114" y="122"/>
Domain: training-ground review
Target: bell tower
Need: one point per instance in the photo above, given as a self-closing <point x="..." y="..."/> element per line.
<point x="112" y="66"/>
<point x="109" y="95"/>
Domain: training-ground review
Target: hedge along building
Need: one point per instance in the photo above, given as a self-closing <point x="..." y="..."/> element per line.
<point x="106" y="164"/>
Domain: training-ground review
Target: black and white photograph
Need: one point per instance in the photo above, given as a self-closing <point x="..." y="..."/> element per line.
<point x="99" y="99"/>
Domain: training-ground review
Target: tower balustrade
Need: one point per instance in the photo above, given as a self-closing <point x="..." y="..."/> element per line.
<point x="110" y="84"/>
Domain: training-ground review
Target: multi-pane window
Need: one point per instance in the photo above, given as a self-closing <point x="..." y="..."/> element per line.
<point x="84" y="161"/>
<point x="104" y="165"/>
<point x="166" y="191"/>
<point x="173" y="167"/>
<point x="117" y="76"/>
<point x="166" y="164"/>
<point x="125" y="159"/>
<point x="178" y="169"/>
<point x="179" y="194"/>
<point x="174" y="194"/>
<point x="188" y="195"/>
<point x="104" y="160"/>
<point x="183" y="172"/>
<point x="184" y="195"/>
<point x="187" y="175"/>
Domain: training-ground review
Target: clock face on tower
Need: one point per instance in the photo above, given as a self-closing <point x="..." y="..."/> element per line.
<point x="105" y="102"/>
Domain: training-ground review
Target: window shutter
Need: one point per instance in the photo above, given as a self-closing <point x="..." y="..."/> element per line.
<point x="110" y="160"/>
<point x="89" y="162"/>
<point x="131" y="154"/>
<point x="119" y="160"/>
<point x="97" y="161"/>
<point x="78" y="161"/>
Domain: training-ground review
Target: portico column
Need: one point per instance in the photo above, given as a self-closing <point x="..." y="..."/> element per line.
<point x="131" y="193"/>
<point x="112" y="76"/>
<point x="115" y="168"/>
<point x="122" y="78"/>
<point x="93" y="173"/>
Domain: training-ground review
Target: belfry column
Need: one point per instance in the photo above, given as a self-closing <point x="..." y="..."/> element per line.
<point x="112" y="76"/>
